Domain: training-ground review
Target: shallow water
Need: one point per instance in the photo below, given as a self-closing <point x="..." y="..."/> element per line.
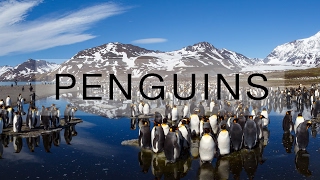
<point x="96" y="153"/>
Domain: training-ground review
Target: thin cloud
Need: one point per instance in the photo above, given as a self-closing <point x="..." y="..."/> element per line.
<point x="18" y="35"/>
<point x="149" y="41"/>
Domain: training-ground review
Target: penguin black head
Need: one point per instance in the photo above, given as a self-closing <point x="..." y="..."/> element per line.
<point x="164" y="120"/>
<point x="264" y="109"/>
<point x="235" y="120"/>
<point x="262" y="116"/>
<point x="206" y="130"/>
<point x="288" y="113"/>
<point x="221" y="118"/>
<point x="223" y="126"/>
<point x="251" y="117"/>
<point x="300" y="114"/>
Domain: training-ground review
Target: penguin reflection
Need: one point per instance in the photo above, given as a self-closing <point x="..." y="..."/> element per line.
<point x="31" y="143"/>
<point x="179" y="169"/>
<point x="222" y="168"/>
<point x="56" y="138"/>
<point x="133" y="124"/>
<point x="302" y="162"/>
<point x="144" y="158"/>
<point x="68" y="135"/>
<point x="5" y="140"/>
<point x="236" y="164"/>
<point x="158" y="164"/>
<point x="250" y="162"/>
<point x="47" y="141"/>
<point x="287" y="141"/>
<point x="17" y="144"/>
<point x="206" y="171"/>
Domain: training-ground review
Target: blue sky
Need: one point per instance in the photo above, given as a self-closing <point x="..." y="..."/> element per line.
<point x="57" y="29"/>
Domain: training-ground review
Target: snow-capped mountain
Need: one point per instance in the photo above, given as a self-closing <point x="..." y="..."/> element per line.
<point x="299" y="52"/>
<point x="121" y="59"/>
<point x="27" y="70"/>
<point x="4" y="69"/>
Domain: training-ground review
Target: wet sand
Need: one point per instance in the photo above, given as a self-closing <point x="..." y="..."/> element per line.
<point x="40" y="90"/>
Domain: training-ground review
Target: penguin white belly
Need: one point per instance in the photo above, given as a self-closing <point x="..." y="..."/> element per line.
<point x="201" y="127"/>
<point x="154" y="148"/>
<point x="140" y="108"/>
<point x="174" y="113"/>
<point x="165" y="128"/>
<point x="146" y="109"/>
<point x="194" y="124"/>
<point x="10" y="115"/>
<point x="265" y="114"/>
<point x="206" y="148"/>
<point x="265" y="122"/>
<point x="224" y="142"/>
<point x="214" y="123"/>
<point x="184" y="133"/>
<point x="211" y="106"/>
<point x="299" y="120"/>
<point x="185" y="111"/>
<point x="15" y="124"/>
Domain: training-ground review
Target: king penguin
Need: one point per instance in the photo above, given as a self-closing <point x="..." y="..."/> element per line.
<point x="287" y="124"/>
<point x="302" y="135"/>
<point x="236" y="135"/>
<point x="157" y="138"/>
<point x="145" y="134"/>
<point x="174" y="113"/>
<point x="1" y="125"/>
<point x="224" y="141"/>
<point x="10" y="115"/>
<point x="213" y="119"/>
<point x="186" y="134"/>
<point x="172" y="146"/>
<point x="195" y="124"/>
<point x="250" y="133"/>
<point x="207" y="147"/>
<point x="298" y="121"/>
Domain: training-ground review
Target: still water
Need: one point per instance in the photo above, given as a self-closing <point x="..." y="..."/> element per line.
<point x="95" y="152"/>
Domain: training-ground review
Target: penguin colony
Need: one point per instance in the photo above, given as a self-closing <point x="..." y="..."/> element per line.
<point x="227" y="127"/>
<point x="49" y="117"/>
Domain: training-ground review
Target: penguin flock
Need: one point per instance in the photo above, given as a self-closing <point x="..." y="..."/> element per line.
<point x="14" y="117"/>
<point x="214" y="128"/>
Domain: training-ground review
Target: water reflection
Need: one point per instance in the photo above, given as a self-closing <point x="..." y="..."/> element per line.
<point x="302" y="163"/>
<point x="32" y="142"/>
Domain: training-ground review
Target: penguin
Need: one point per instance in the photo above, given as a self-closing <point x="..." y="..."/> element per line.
<point x="298" y="121"/>
<point x="258" y="122"/>
<point x="46" y="119"/>
<point x="145" y="134"/>
<point x="73" y="112"/>
<point x="165" y="126"/>
<point x="185" y="110"/>
<point x="207" y="147"/>
<point x="134" y="110"/>
<point x="140" y="107"/>
<point x="172" y="146"/>
<point x="213" y="119"/>
<point x="157" y="138"/>
<point x="1" y="125"/>
<point x="224" y="140"/>
<point x="146" y="109"/>
<point x="174" y="113"/>
<point x="17" y="122"/>
<point x="10" y="115"/>
<point x="242" y="120"/>
<point x="55" y="117"/>
<point x="167" y="112"/>
<point x="250" y="133"/>
<point x="236" y="135"/>
<point x="212" y="104"/>
<point x="287" y="124"/>
<point x="302" y="135"/>
<point x="265" y="121"/>
<point x="8" y="101"/>
<point x="186" y="134"/>
<point x="37" y="118"/>
<point x="195" y="124"/>
<point x="158" y="118"/>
